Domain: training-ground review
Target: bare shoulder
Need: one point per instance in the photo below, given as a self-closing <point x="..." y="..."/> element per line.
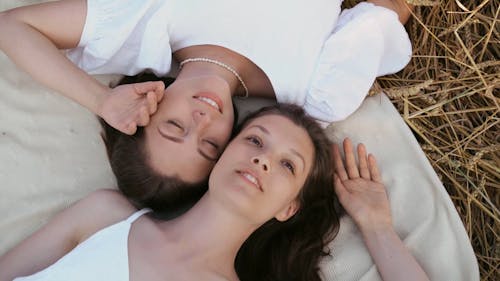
<point x="100" y="209"/>
<point x="109" y="196"/>
<point x="108" y="203"/>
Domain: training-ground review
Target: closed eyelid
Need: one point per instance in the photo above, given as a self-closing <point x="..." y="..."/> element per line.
<point x="177" y="127"/>
<point x="169" y="137"/>
<point x="181" y="140"/>
<point x="213" y="145"/>
<point x="206" y="156"/>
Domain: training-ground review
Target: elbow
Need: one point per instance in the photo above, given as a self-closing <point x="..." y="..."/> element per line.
<point x="400" y="7"/>
<point x="403" y="9"/>
<point x="404" y="12"/>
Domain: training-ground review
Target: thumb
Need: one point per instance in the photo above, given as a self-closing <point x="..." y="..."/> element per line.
<point x="130" y="128"/>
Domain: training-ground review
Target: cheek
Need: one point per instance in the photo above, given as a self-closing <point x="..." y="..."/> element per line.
<point x="223" y="129"/>
<point x="220" y="170"/>
<point x="172" y="103"/>
<point x="287" y="190"/>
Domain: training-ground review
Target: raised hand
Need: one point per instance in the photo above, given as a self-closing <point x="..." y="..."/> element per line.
<point x="359" y="187"/>
<point x="128" y="106"/>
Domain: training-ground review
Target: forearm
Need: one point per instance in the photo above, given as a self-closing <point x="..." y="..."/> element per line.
<point x="33" y="52"/>
<point x="401" y="7"/>
<point x="393" y="260"/>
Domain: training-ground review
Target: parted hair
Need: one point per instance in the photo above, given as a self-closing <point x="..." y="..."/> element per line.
<point x="291" y="250"/>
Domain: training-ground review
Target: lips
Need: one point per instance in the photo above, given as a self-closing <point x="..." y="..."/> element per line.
<point x="250" y="178"/>
<point x="211" y="99"/>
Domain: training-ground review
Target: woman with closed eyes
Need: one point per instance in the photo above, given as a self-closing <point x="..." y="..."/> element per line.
<point x="300" y="52"/>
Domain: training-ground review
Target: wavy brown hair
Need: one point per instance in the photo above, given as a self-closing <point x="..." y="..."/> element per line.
<point x="291" y="250"/>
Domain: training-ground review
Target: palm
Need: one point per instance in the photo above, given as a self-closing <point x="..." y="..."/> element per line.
<point x="359" y="187"/>
<point x="366" y="200"/>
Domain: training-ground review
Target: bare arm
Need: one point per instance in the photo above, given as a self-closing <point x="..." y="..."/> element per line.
<point x="31" y="36"/>
<point x="394" y="261"/>
<point x="361" y="192"/>
<point x="401" y="7"/>
<point x="66" y="230"/>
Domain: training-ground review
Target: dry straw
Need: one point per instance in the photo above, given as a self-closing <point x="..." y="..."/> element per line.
<point x="449" y="96"/>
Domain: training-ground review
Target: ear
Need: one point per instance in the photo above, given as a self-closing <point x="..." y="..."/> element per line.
<point x="288" y="211"/>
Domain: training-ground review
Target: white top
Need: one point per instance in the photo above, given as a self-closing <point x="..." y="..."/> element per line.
<point x="313" y="57"/>
<point x="103" y="256"/>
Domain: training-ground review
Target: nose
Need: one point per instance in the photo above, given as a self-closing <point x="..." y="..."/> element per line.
<point x="201" y="118"/>
<point x="262" y="161"/>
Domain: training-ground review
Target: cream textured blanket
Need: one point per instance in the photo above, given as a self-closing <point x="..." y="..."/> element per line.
<point x="51" y="155"/>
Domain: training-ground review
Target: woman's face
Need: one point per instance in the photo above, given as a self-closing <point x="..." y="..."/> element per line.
<point x="263" y="169"/>
<point x="191" y="128"/>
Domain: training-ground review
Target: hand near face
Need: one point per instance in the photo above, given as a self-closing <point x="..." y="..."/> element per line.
<point x="359" y="188"/>
<point x="128" y="106"/>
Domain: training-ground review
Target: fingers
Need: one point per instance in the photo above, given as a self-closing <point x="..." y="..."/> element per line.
<point x="154" y="93"/>
<point x="339" y="164"/>
<point x="128" y="129"/>
<point x="143" y="117"/>
<point x="152" y="102"/>
<point x="151" y="86"/>
<point x="160" y="92"/>
<point x="374" y="172"/>
<point x="364" y="172"/>
<point x="132" y="128"/>
<point x="350" y="160"/>
<point x="366" y="169"/>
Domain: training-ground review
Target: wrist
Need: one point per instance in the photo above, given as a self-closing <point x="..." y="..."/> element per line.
<point x="97" y="99"/>
<point x="376" y="227"/>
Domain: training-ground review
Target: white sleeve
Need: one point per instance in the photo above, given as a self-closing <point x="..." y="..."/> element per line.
<point x="368" y="41"/>
<point x="114" y="34"/>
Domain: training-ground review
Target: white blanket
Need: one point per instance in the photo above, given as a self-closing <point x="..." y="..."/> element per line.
<point x="51" y="155"/>
<point x="423" y="213"/>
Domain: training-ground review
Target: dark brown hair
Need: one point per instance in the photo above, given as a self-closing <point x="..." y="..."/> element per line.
<point x="136" y="179"/>
<point x="140" y="183"/>
<point x="291" y="250"/>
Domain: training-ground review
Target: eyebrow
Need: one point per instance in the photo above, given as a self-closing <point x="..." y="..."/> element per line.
<point x="261" y="128"/>
<point x="179" y="140"/>
<point x="294" y="152"/>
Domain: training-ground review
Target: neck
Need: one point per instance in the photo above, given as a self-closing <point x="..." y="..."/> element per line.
<point x="208" y="235"/>
<point x="197" y="69"/>
<point x="255" y="79"/>
<point x="236" y="62"/>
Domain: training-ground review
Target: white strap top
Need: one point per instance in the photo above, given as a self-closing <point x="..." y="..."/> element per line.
<point x="103" y="256"/>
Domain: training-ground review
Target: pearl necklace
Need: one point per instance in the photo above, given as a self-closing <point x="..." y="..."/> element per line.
<point x="221" y="64"/>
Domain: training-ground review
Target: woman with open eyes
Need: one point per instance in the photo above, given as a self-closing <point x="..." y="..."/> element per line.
<point x="267" y="215"/>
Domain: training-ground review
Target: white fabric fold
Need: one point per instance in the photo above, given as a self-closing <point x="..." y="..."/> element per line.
<point x="118" y="38"/>
<point x="368" y="41"/>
